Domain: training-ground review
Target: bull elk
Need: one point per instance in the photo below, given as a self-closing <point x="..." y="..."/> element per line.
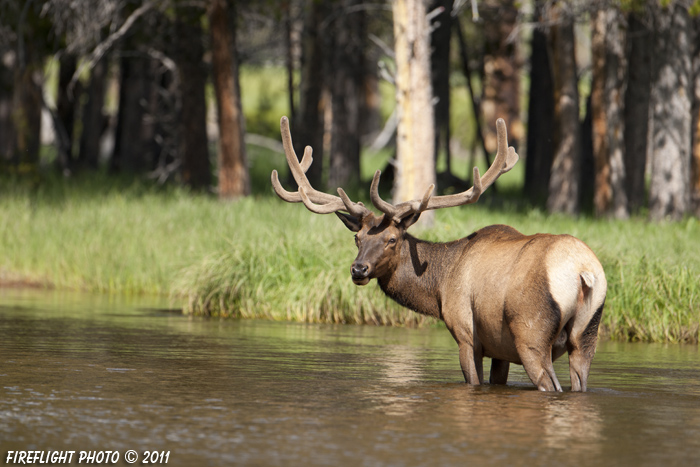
<point x="523" y="299"/>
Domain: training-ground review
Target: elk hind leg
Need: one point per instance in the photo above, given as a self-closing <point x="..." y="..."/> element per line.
<point x="534" y="343"/>
<point x="499" y="371"/>
<point x="539" y="368"/>
<point x="581" y="350"/>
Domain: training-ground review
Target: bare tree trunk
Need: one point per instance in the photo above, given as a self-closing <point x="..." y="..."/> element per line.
<point x="564" y="180"/>
<point x="234" y="180"/>
<point x="671" y="103"/>
<point x="193" y="148"/>
<point x="415" y="162"/>
<point x="501" y="72"/>
<point x="540" y="147"/>
<point x="346" y="77"/>
<point x="607" y="93"/>
<point x="93" y="119"/>
<point x="639" y="48"/>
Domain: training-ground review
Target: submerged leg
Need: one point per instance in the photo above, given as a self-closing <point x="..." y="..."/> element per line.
<point x="538" y="366"/>
<point x="579" y="367"/>
<point x="581" y="352"/>
<point x="499" y="371"/>
<point x="472" y="364"/>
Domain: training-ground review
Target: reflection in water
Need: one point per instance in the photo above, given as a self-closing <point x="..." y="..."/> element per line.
<point x="574" y="422"/>
<point x="88" y="374"/>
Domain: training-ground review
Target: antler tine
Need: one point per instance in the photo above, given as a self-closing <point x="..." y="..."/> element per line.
<point x="328" y="208"/>
<point x="505" y="159"/>
<point x="356" y="209"/>
<point x="314" y="200"/>
<point x="299" y="169"/>
<point x="387" y="208"/>
<point x="401" y="210"/>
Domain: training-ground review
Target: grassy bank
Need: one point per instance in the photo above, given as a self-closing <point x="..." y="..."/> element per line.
<point x="261" y="257"/>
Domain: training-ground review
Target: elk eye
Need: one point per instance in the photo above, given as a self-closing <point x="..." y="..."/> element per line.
<point x="392" y="240"/>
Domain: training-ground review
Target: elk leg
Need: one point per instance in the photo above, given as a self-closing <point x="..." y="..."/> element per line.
<point x="499" y="371"/>
<point x="580" y="358"/>
<point x="581" y="352"/>
<point x="579" y="366"/>
<point x="472" y="364"/>
<point x="538" y="366"/>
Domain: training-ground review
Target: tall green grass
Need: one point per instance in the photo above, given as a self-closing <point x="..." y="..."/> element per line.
<point x="261" y="257"/>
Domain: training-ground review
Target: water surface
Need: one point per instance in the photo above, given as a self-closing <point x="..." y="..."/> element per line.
<point x="80" y="372"/>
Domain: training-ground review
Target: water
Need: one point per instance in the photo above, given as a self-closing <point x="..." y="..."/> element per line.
<point x="88" y="373"/>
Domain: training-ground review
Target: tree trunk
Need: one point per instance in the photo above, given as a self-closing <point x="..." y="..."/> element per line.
<point x="608" y="90"/>
<point x="639" y="48"/>
<point x="695" y="165"/>
<point x="134" y="89"/>
<point x="193" y="147"/>
<point x="27" y="110"/>
<point x="501" y="72"/>
<point x="234" y="180"/>
<point x="415" y="162"/>
<point x="7" y="128"/>
<point x="65" y="110"/>
<point x="671" y="103"/>
<point x="346" y="77"/>
<point x="440" y="40"/>
<point x="540" y="116"/>
<point x="93" y="119"/>
<point x="564" y="179"/>
<point x="309" y="129"/>
<point x="92" y="116"/>
<point x="289" y="55"/>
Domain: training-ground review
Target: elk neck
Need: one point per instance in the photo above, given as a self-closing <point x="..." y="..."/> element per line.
<point x="422" y="266"/>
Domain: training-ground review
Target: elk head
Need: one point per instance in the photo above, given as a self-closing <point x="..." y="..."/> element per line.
<point x="379" y="238"/>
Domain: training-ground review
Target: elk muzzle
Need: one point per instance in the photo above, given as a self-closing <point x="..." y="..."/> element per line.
<point x="360" y="273"/>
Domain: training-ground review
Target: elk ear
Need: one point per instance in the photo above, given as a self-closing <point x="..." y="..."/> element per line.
<point x="408" y="221"/>
<point x="351" y="222"/>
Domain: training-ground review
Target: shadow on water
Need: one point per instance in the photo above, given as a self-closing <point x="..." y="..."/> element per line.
<point x="79" y="372"/>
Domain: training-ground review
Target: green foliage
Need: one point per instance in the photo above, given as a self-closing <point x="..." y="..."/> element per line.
<point x="694" y="8"/>
<point x="264" y="98"/>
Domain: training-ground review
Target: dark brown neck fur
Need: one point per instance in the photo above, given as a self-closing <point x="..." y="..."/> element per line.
<point x="415" y="281"/>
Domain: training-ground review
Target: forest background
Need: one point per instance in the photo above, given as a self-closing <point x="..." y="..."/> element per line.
<point x="137" y="140"/>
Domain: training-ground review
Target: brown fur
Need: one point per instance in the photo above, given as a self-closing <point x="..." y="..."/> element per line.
<point x="504" y="295"/>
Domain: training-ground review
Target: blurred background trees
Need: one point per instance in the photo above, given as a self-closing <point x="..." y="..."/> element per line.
<point x="602" y="98"/>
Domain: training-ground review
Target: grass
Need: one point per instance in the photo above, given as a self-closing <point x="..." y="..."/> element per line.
<point x="260" y="257"/>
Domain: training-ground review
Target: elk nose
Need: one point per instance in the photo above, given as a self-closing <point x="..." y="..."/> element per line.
<point x="359" y="271"/>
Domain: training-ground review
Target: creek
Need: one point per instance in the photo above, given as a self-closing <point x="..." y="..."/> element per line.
<point x="84" y="372"/>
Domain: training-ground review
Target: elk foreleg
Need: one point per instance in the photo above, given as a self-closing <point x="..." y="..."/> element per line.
<point x="472" y="362"/>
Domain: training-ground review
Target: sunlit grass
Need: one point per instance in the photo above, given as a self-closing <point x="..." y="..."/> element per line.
<point x="261" y="257"/>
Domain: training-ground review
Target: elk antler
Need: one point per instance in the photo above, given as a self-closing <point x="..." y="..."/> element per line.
<point x="505" y="159"/>
<point x="314" y="200"/>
